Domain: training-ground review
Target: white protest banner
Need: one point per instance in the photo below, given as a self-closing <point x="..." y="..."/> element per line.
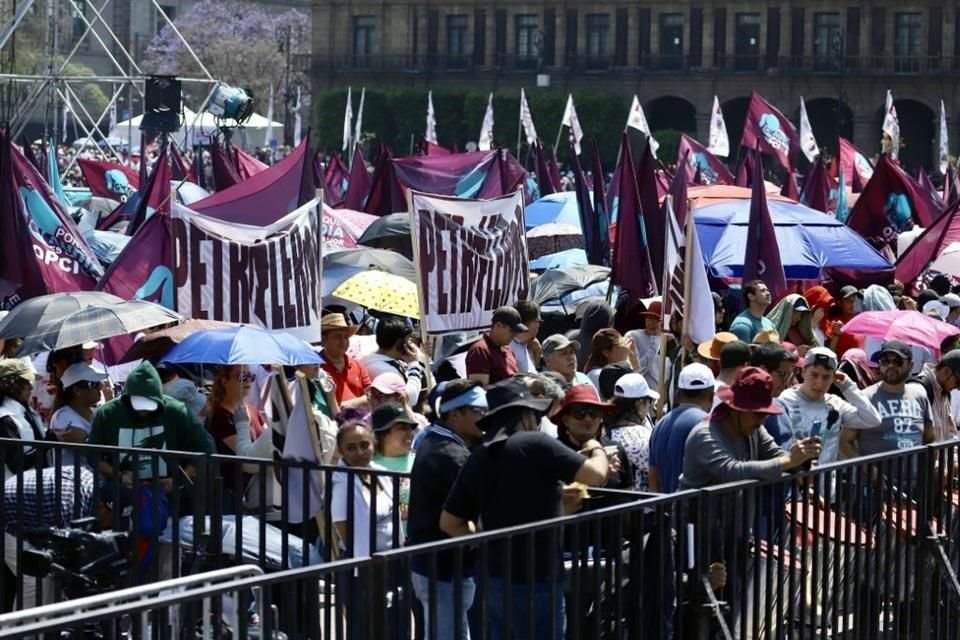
<point x="266" y="276"/>
<point x="471" y="258"/>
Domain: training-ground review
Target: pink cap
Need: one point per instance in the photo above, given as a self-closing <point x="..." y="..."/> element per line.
<point x="389" y="384"/>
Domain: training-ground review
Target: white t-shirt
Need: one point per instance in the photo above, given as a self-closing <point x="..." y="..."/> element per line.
<point x="361" y="511"/>
<point x="66" y="418"/>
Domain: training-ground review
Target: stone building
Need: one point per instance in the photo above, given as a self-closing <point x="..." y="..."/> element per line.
<point x="840" y="56"/>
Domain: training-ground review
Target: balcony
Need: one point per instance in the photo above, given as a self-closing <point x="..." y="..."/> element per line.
<point x="667" y="64"/>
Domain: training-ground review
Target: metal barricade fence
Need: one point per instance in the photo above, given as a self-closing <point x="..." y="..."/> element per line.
<point x="858" y="549"/>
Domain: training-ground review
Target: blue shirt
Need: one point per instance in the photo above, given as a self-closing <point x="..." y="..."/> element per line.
<point x="668" y="441"/>
<point x="746" y="325"/>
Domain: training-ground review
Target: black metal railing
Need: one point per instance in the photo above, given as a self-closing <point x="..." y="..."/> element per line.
<point x="844" y="550"/>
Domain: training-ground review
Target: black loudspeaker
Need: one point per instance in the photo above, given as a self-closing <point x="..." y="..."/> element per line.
<point x="162" y="97"/>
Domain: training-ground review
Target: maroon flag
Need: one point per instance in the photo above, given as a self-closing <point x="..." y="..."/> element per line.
<point x="109" y="179"/>
<point x="770" y="131"/>
<point x="631" y="267"/>
<point x="712" y="170"/>
<point x="678" y="189"/>
<point x="179" y="168"/>
<point x="745" y="170"/>
<point x="224" y="169"/>
<point x="589" y="222"/>
<point x="923" y="179"/>
<point x="544" y="178"/>
<point x="358" y="184"/>
<point x="891" y="202"/>
<point x="247" y="165"/>
<point x="335" y="179"/>
<point x="650" y="204"/>
<point x="664" y="178"/>
<point x="761" y="260"/>
<point x="156" y="196"/>
<point x="927" y="247"/>
<point x="505" y="176"/>
<point x="857" y="169"/>
<point x="554" y="168"/>
<point x="428" y="148"/>
<point x="951" y="187"/>
<point x="820" y="190"/>
<point x="386" y="195"/>
<point x="267" y="196"/>
<point x="31" y="157"/>
<point x="790" y="188"/>
<point x="17" y="264"/>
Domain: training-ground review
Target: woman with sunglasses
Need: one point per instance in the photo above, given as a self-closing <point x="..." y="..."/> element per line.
<point x="78" y="394"/>
<point x="227" y="420"/>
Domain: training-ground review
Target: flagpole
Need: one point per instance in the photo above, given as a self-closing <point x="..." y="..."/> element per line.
<point x="519" y="129"/>
<point x="665" y="292"/>
<point x="556" y="145"/>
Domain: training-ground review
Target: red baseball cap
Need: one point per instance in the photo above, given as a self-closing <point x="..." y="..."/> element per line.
<point x="583" y="394"/>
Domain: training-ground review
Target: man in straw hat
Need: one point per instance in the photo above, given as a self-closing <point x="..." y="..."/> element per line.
<point x="733" y="445"/>
<point x="349" y="375"/>
<point x="516" y="477"/>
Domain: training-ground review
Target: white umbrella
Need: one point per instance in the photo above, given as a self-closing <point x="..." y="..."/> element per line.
<point x="949" y="260"/>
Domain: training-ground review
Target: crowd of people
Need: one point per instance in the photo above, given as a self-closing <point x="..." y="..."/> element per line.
<point x="529" y="420"/>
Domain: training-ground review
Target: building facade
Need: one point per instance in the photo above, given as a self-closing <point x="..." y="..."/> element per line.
<point x="840" y="56"/>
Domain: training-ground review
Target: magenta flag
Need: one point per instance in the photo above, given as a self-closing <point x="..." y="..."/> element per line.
<point x="428" y="148"/>
<point x="712" y="169"/>
<point x="857" y="169"/>
<point x="335" y="177"/>
<point x="890" y="203"/>
<point x="358" y="184"/>
<point x="820" y="191"/>
<point x="109" y="179"/>
<point x="247" y="165"/>
<point x="789" y="189"/>
<point x="225" y="173"/>
<point x="267" y="196"/>
<point x="631" y="267"/>
<point x="951" y="187"/>
<point x="544" y="178"/>
<point x="506" y="175"/>
<point x="654" y="222"/>
<point x="923" y="179"/>
<point x="156" y="196"/>
<point x="771" y="130"/>
<point x="678" y="189"/>
<point x="762" y="258"/>
<point x="926" y="248"/>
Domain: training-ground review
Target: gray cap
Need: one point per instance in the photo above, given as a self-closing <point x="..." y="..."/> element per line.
<point x="848" y="290"/>
<point x="558" y="342"/>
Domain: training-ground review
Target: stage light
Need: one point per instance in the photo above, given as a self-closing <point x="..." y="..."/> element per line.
<point x="230" y="103"/>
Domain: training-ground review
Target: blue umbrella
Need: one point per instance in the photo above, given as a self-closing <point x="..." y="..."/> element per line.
<point x="560" y="207"/>
<point x="568" y="258"/>
<point x="809" y="240"/>
<point x="242" y="345"/>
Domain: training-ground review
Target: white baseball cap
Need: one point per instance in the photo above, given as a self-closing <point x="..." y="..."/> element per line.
<point x="143" y="403"/>
<point x="634" y="386"/>
<point x="936" y="309"/>
<point x="952" y="300"/>
<point x="79" y="372"/>
<point x="695" y="377"/>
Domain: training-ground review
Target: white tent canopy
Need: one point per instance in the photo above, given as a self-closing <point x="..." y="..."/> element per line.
<point x="197" y="128"/>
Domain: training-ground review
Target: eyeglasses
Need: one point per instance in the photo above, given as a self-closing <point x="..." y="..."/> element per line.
<point x="896" y="362"/>
<point x="582" y="413"/>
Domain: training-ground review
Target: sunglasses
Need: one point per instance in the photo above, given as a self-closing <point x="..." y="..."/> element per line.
<point x="896" y="362"/>
<point x="581" y="413"/>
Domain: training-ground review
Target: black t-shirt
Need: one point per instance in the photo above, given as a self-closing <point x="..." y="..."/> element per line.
<point x="439" y="460"/>
<point x="515" y="482"/>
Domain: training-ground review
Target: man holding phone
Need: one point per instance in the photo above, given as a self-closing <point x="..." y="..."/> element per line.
<point x="396" y="353"/>
<point x="813" y="411"/>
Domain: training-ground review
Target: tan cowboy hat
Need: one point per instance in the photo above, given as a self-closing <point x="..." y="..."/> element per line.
<point x="711" y="350"/>
<point x="333" y="321"/>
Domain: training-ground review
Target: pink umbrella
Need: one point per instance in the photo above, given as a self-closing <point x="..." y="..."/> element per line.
<point x="343" y="227"/>
<point x="912" y="327"/>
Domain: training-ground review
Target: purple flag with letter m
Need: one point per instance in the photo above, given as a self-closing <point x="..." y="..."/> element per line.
<point x="771" y="130"/>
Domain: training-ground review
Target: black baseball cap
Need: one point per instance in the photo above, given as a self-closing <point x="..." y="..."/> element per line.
<point x="389" y="414"/>
<point x="951" y="360"/>
<point x="849" y="290"/>
<point x="896" y="347"/>
<point x="510" y="317"/>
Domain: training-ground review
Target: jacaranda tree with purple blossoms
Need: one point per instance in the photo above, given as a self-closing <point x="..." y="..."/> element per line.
<point x="239" y="43"/>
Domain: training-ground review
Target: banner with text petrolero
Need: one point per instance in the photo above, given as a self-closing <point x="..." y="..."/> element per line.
<point x="471" y="258"/>
<point x="266" y="276"/>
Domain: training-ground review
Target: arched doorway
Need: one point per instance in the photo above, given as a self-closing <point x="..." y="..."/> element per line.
<point x="917" y="133"/>
<point x="828" y="118"/>
<point x="734" y="115"/>
<point x="671" y="112"/>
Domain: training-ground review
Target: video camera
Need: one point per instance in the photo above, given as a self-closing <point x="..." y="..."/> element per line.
<point x="84" y="562"/>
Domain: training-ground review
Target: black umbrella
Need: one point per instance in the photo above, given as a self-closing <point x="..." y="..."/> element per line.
<point x="390" y="232"/>
<point x="553" y="284"/>
<point x="28" y="316"/>
<point x="95" y="322"/>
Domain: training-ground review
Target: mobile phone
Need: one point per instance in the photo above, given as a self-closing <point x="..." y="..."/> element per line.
<point x="816" y="428"/>
<point x="611" y="450"/>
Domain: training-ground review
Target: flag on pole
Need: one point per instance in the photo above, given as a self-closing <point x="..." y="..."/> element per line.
<point x="485" y="143"/>
<point x="686" y="288"/>
<point x="358" y="125"/>
<point x="297" y="120"/>
<point x="526" y="119"/>
<point x="891" y="126"/>
<point x="571" y="120"/>
<point x="808" y="143"/>
<point x="638" y="120"/>
<point x="762" y="258"/>
<point x="600" y="209"/>
<point x="113" y="113"/>
<point x="630" y="267"/>
<point x="719" y="142"/>
<point x="944" y="141"/>
<point x="589" y="221"/>
<point x="347" y="121"/>
<point x="842" y="211"/>
<point x="769" y="130"/>
<point x="269" y="141"/>
<point x="430" y="135"/>
<point x="857" y="169"/>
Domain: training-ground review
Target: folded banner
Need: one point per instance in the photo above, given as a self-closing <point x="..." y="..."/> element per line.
<point x="266" y="276"/>
<point x="109" y="179"/>
<point x="471" y="258"/>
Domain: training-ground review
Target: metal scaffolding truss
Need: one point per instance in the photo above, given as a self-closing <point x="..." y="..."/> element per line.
<point x="56" y="91"/>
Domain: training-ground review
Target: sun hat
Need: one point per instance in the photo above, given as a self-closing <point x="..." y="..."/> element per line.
<point x="17" y="367"/>
<point x="711" y="350"/>
<point x="655" y="308"/>
<point x="334" y="321"/>
<point x="752" y="391"/>
<point x="509" y="393"/>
